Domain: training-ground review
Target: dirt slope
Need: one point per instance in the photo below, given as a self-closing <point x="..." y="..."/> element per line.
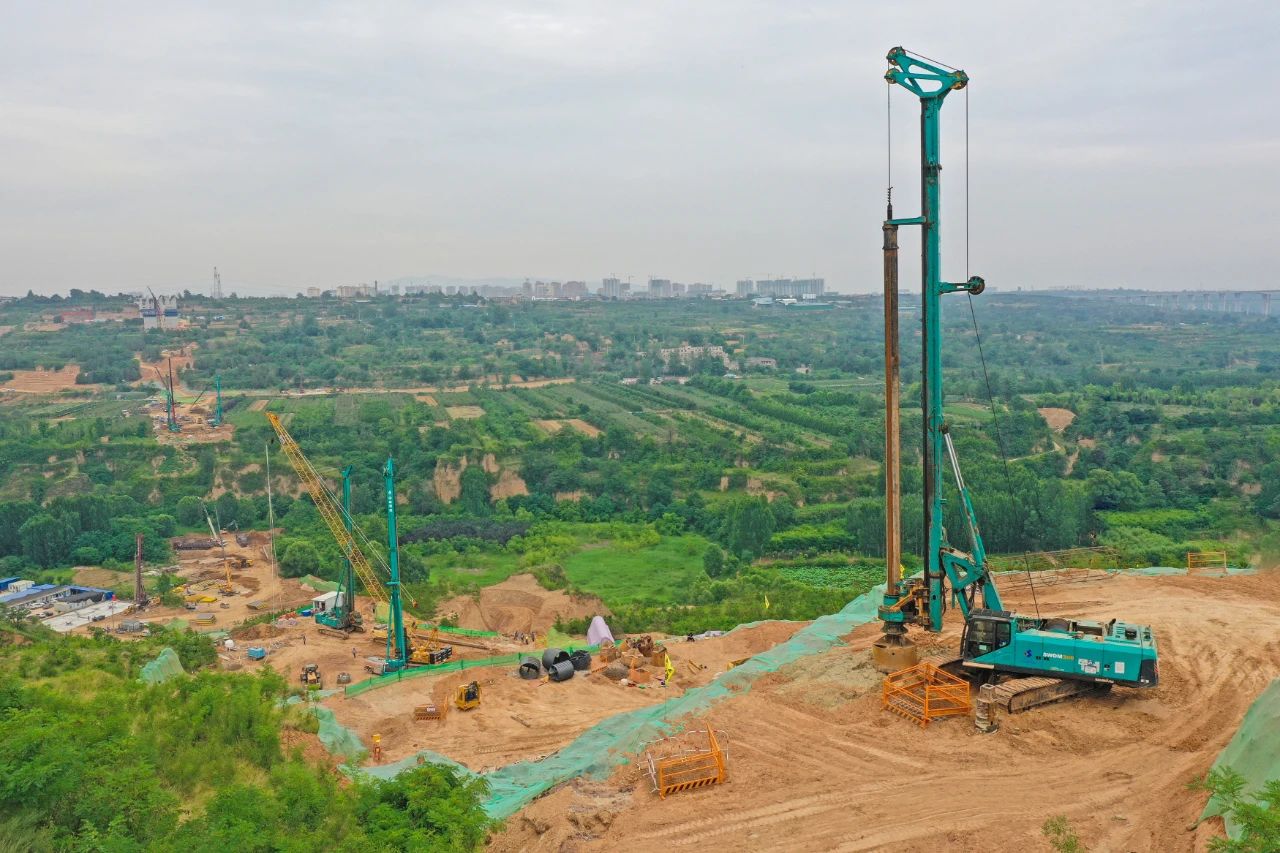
<point x="519" y="604"/>
<point x="812" y="769"/>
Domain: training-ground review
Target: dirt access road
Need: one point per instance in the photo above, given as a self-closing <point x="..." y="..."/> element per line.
<point x="815" y="764"/>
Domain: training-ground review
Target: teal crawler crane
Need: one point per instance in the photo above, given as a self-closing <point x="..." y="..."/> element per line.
<point x="343" y="618"/>
<point x="216" y="420"/>
<point x="1062" y="656"/>
<point x="398" y="649"/>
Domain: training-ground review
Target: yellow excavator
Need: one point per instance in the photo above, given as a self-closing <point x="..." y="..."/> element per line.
<point x="468" y="696"/>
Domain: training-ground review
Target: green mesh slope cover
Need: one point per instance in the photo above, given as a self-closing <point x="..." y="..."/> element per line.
<point x="553" y="639"/>
<point x="165" y="666"/>
<point x="318" y="584"/>
<point x="1254" y="752"/>
<point x="599" y="749"/>
<point x="337" y="738"/>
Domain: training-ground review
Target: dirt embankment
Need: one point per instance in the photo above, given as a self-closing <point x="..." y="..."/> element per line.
<point x="815" y="764"/>
<point x="519" y="604"/>
<point x="447" y="479"/>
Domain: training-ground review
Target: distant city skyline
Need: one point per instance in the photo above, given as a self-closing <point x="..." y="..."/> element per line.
<point x="1111" y="144"/>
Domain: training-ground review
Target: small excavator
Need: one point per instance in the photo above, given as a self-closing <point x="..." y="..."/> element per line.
<point x="310" y="677"/>
<point x="468" y="696"/>
<point x="1031" y="659"/>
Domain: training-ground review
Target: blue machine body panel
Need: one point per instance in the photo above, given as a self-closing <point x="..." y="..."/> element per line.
<point x="1113" y="652"/>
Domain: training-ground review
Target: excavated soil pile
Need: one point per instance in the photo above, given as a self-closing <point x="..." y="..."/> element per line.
<point x="519" y="604"/>
<point x="815" y="764"/>
<point x="261" y="631"/>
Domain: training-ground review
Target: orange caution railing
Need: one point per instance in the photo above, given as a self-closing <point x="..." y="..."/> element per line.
<point x="924" y="693"/>
<point x="687" y="771"/>
<point x="1198" y="560"/>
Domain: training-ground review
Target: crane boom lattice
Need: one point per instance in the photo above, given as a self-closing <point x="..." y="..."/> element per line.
<point x="329" y="510"/>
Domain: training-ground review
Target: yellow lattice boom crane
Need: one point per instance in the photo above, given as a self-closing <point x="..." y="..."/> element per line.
<point x="330" y="511"/>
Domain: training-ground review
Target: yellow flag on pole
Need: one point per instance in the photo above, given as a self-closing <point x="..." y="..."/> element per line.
<point x="671" y="670"/>
<point x="766" y="601"/>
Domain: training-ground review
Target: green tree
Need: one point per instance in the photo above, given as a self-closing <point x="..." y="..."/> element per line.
<point x="189" y="511"/>
<point x="300" y="558"/>
<point x="46" y="540"/>
<point x="1255" y="816"/>
<point x="713" y="561"/>
<point x="748" y="524"/>
<point x="474" y="498"/>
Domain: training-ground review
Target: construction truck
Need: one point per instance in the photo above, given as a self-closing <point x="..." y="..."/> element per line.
<point x="1031" y="659"/>
<point x="468" y="696"/>
<point x="310" y="677"/>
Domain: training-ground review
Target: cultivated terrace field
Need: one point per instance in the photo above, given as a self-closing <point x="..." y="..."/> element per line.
<point x="535" y="437"/>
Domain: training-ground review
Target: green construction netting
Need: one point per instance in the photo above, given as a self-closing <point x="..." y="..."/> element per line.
<point x="462" y="632"/>
<point x="337" y="738"/>
<point x="451" y="666"/>
<point x="1254" y="751"/>
<point x="554" y="639"/>
<point x="1155" y="571"/>
<point x="165" y="666"/>
<point x="598" y="750"/>
<point x="318" y="584"/>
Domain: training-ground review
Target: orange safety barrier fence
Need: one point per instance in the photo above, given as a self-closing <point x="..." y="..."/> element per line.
<point x="684" y="772"/>
<point x="924" y="693"/>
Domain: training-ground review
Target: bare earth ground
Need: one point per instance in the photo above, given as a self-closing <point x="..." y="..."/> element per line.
<point x="518" y="604"/>
<point x="526" y="720"/>
<point x="815" y="764"/>
<point x="552" y="426"/>
<point x="1057" y="419"/>
<point x="45" y="381"/>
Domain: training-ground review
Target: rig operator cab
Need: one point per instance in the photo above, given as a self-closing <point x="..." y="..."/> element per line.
<point x="1111" y="652"/>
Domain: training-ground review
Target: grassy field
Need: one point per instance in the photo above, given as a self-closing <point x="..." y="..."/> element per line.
<point x="657" y="574"/>
<point x="483" y="569"/>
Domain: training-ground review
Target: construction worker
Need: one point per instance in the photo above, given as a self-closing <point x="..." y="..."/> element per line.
<point x="353" y="652"/>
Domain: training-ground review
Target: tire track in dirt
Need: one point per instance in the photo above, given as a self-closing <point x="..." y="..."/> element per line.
<point x="849" y="777"/>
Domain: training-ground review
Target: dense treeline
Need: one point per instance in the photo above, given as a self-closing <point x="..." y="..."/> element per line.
<point x="198" y="762"/>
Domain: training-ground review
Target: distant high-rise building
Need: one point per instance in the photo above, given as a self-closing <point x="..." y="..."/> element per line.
<point x="796" y="288"/>
<point x="677" y="289"/>
<point x="613" y="288"/>
<point x="746" y="287"/>
<point x="313" y="292"/>
<point x="574" y="289"/>
<point x="659" y="288"/>
<point x="699" y="290"/>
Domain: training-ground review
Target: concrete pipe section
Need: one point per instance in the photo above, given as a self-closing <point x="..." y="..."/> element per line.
<point x="561" y="671"/>
<point x="551" y="657"/>
<point x="581" y="660"/>
<point x="530" y="669"/>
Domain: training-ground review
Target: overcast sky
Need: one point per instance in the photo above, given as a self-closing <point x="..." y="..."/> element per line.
<point x="313" y="143"/>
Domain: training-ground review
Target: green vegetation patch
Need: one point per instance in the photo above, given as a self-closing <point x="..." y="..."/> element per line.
<point x="622" y="573"/>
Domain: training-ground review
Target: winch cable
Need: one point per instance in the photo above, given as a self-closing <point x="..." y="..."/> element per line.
<point x="986" y="377"/>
